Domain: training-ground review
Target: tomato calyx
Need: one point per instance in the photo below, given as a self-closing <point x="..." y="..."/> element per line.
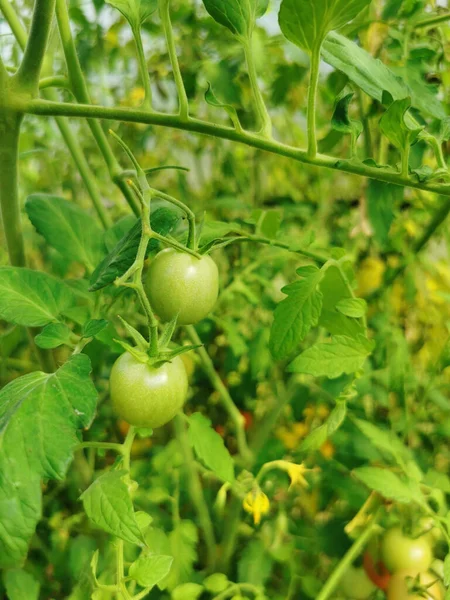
<point x="376" y="572"/>
<point x="141" y="351"/>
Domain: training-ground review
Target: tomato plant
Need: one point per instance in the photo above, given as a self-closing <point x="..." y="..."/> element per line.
<point x="224" y="285"/>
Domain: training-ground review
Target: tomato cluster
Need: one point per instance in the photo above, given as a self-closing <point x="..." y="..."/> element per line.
<point x="404" y="569"/>
<point x="178" y="285"/>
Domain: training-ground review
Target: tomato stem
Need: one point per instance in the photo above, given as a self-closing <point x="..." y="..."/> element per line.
<point x="312" y="101"/>
<point x="265" y="121"/>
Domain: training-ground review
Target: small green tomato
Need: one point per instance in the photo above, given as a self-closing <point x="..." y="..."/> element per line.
<point x="400" y="552"/>
<point x="179" y="283"/>
<point x="145" y="396"/>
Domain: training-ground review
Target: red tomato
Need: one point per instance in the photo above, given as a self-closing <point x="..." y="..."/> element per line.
<point x="248" y="418"/>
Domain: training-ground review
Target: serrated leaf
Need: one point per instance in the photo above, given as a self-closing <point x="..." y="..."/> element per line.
<point x="93" y="327"/>
<point x="295" y="315"/>
<point x="352" y="307"/>
<point x="385" y="440"/>
<point x="382" y="200"/>
<point x="255" y="564"/>
<point x="67" y="228"/>
<point x="20" y="585"/>
<point x="53" y="335"/>
<point x="122" y="256"/>
<point x="212" y="100"/>
<point x="397" y="125"/>
<point x="209" y="447"/>
<point x="341" y="355"/>
<point x="39" y="416"/>
<point x="305" y="23"/>
<point x="149" y="570"/>
<point x="135" y="11"/>
<point x="108" y="505"/>
<point x="32" y="298"/>
<point x="183" y="542"/>
<point x="387" y="484"/>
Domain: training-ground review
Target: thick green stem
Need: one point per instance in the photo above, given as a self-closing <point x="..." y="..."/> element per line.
<point x="312" y="100"/>
<point x="27" y="77"/>
<point x="432" y="20"/>
<point x="164" y="12"/>
<point x="147" y="104"/>
<point x="196" y="491"/>
<point x="133" y="115"/>
<point x="227" y="401"/>
<point x="347" y="560"/>
<point x="80" y="90"/>
<point x="9" y="187"/>
<point x="64" y="127"/>
<point x="265" y="121"/>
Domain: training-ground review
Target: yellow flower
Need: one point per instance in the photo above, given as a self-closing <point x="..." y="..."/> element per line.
<point x="296" y="473"/>
<point x="256" y="503"/>
<point x="370" y="275"/>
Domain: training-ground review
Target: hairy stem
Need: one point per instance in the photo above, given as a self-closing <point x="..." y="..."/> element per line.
<point x="312" y="100"/>
<point x="164" y="12"/>
<point x="27" y="77"/>
<point x="143" y="69"/>
<point x="265" y="121"/>
<point x="355" y="550"/>
<point x="227" y="401"/>
<point x="80" y="90"/>
<point x="196" y="491"/>
<point x="133" y="115"/>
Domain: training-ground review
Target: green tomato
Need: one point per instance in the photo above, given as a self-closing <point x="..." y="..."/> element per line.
<point x="179" y="283"/>
<point x="356" y="585"/>
<point x="400" y="552"/>
<point x="145" y="396"/>
<point x="399" y="585"/>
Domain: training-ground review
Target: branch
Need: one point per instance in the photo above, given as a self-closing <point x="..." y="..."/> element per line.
<point x="27" y="76"/>
<point x="132" y="115"/>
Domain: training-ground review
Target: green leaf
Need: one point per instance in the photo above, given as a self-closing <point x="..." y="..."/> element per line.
<point x="67" y="228"/>
<point x="397" y="124"/>
<point x="369" y="73"/>
<point x="337" y="417"/>
<point x="216" y="583"/>
<point x="122" y="256"/>
<point x="149" y="570"/>
<point x="268" y="222"/>
<point x="20" y="585"/>
<point x="296" y="314"/>
<point x="386" y="483"/>
<point x="209" y="447"/>
<point x="39" y="416"/>
<point x="108" y="504"/>
<point x="341" y="355"/>
<point x="352" y="307"/>
<point x="93" y="327"/>
<point x="334" y="289"/>
<point x="32" y="298"/>
<point x="382" y="200"/>
<point x="237" y="15"/>
<point x="135" y="11"/>
<point x="447" y="570"/>
<point x="118" y="230"/>
<point x="341" y="120"/>
<point x="385" y="440"/>
<point x="305" y="23"/>
<point x="315" y="439"/>
<point x="187" y="591"/>
<point x="211" y="99"/>
<point x="255" y="564"/>
<point x="53" y="335"/>
<point x="183" y="543"/>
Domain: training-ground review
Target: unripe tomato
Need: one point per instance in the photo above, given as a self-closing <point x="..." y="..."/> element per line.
<point x="400" y="552"/>
<point x="356" y="585"/>
<point x="398" y="587"/>
<point x="179" y="283"/>
<point x="145" y="396"/>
